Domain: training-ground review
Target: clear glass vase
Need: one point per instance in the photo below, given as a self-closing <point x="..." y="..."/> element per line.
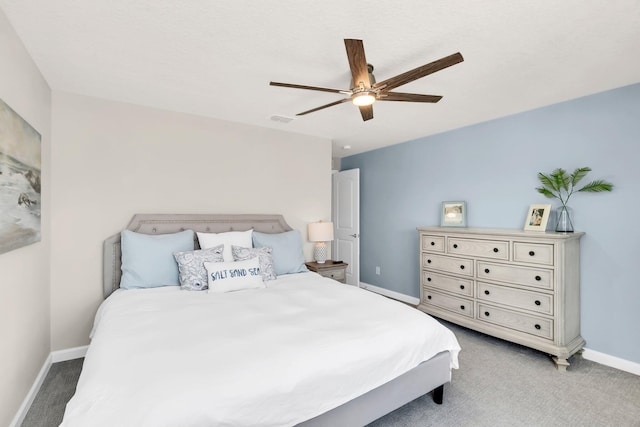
<point x="564" y="224"/>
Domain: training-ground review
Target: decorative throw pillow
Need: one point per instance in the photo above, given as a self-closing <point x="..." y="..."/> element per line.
<point x="234" y="276"/>
<point x="238" y="238"/>
<point x="193" y="275"/>
<point x="286" y="250"/>
<point x="264" y="258"/>
<point x="147" y="259"/>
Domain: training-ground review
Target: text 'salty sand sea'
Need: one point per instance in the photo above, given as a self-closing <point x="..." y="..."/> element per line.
<point x="20" y="186"/>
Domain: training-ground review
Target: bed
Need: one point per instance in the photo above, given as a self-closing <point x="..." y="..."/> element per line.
<point x="304" y="350"/>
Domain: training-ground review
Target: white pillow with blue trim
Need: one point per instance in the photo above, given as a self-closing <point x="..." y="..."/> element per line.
<point x="234" y="276"/>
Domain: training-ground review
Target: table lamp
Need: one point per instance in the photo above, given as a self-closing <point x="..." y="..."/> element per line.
<point x="320" y="232"/>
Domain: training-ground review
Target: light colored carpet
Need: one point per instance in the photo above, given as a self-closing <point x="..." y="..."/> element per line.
<point x="505" y="384"/>
<point x="498" y="384"/>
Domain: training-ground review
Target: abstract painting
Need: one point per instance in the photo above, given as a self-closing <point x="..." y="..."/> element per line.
<point x="20" y="186"/>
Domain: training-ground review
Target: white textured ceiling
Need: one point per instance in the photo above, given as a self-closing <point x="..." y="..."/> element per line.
<point x="216" y="57"/>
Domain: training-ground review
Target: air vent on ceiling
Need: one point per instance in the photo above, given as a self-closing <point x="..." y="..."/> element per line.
<point x="281" y="119"/>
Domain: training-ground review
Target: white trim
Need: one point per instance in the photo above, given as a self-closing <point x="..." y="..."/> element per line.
<point x="68" y="354"/>
<point x="391" y="294"/>
<point x="53" y="357"/>
<point x="30" y="397"/>
<point x="612" y="361"/>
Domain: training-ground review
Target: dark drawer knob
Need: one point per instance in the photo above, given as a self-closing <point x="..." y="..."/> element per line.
<point x="537" y="326"/>
<point x="461" y="286"/>
<point x="486" y="313"/>
<point x="462" y="267"/>
<point x="428" y="261"/>
<point x="486" y="270"/>
<point x="462" y="307"/>
<point x="433" y="243"/>
<point x="428" y="279"/>
<point x="538" y="278"/>
<point x="455" y="246"/>
<point x="531" y="253"/>
<point x="428" y="296"/>
<point x="487" y="292"/>
<point x="495" y="250"/>
<point x="537" y="302"/>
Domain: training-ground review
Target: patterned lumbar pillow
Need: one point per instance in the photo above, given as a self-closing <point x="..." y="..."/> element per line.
<point x="193" y="275"/>
<point x="234" y="276"/>
<point x="264" y="258"/>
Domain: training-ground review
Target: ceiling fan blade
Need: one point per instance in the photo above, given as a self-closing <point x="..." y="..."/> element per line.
<point x="322" y="89"/>
<point x="417" y="73"/>
<point x="324" y="106"/>
<point x="408" y="97"/>
<point x="357" y="62"/>
<point x="367" y="112"/>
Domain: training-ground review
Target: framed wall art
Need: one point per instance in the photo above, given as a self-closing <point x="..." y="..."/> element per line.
<point x="537" y="217"/>
<point x="454" y="214"/>
<point x="20" y="184"/>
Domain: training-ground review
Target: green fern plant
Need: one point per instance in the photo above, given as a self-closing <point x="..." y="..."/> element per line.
<point x="561" y="185"/>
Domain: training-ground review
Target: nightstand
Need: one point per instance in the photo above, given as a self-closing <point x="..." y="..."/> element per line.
<point x="336" y="270"/>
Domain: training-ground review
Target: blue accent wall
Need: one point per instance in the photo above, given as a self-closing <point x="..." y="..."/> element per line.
<point x="493" y="166"/>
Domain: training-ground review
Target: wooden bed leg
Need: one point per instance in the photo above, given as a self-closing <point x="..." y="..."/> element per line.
<point x="438" y="394"/>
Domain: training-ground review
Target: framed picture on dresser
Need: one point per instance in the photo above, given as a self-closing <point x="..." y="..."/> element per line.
<point x="537" y="217"/>
<point x="454" y="214"/>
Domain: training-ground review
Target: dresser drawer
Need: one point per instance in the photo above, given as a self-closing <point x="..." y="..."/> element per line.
<point x="533" y="253"/>
<point x="447" y="283"/>
<point x="336" y="274"/>
<point x="534" y="301"/>
<point x="521" y="322"/>
<point x="495" y="249"/>
<point x="448" y="264"/>
<point x="432" y="243"/>
<point x="535" y="277"/>
<point x="458" y="305"/>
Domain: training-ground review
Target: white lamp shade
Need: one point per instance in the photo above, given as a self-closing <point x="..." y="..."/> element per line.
<point x="320" y="231"/>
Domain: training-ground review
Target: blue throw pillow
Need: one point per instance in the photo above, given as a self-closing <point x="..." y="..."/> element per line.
<point x="286" y="250"/>
<point x="147" y="259"/>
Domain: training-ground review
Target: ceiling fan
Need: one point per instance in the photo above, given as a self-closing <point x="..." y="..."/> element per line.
<point x="364" y="88"/>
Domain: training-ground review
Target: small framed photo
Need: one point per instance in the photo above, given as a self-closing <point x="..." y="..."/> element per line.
<point x="537" y="217"/>
<point x="454" y="214"/>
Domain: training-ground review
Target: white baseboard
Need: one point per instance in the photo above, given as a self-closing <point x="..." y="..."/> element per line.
<point x="611" y="361"/>
<point x="68" y="354"/>
<point x="391" y="294"/>
<point x="53" y="357"/>
<point x="31" y="395"/>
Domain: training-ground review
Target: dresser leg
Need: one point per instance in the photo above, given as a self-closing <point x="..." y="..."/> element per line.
<point x="438" y="393"/>
<point x="561" y="364"/>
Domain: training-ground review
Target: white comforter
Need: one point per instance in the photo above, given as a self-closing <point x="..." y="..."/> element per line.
<point x="260" y="357"/>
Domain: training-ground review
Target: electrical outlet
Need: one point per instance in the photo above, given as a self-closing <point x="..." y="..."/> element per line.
<point x="378" y="270"/>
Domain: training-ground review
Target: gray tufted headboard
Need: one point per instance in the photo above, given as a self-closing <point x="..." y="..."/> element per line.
<point x="172" y="223"/>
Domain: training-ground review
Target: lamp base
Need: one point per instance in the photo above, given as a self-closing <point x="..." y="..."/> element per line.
<point x="320" y="252"/>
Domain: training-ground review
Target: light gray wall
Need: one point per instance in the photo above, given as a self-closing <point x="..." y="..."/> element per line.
<point x="24" y="272"/>
<point x="493" y="167"/>
<point x="111" y="160"/>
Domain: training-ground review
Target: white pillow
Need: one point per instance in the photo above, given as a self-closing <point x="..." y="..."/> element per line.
<point x="237" y="238"/>
<point x="234" y="276"/>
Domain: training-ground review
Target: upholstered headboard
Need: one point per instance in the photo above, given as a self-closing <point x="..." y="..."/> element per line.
<point x="172" y="223"/>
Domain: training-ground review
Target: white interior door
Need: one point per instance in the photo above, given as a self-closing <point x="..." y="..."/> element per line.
<point x="346" y="221"/>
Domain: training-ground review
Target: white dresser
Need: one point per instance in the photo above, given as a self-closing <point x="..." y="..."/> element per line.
<point x="521" y="286"/>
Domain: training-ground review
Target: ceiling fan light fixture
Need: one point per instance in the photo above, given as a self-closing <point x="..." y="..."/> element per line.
<point x="363" y="99"/>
